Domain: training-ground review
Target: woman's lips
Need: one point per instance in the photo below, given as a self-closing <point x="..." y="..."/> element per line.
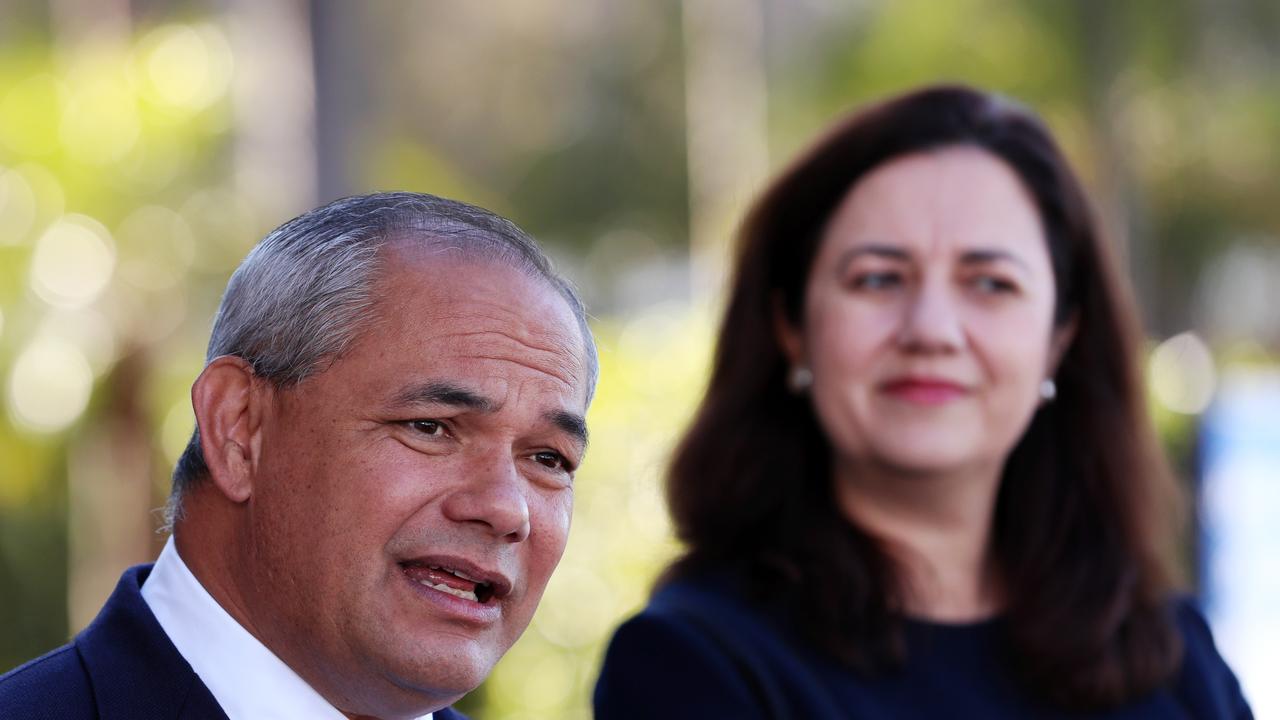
<point x="924" y="391"/>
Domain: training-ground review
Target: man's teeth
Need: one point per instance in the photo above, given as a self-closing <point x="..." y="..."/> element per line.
<point x="464" y="594"/>
<point x="459" y="573"/>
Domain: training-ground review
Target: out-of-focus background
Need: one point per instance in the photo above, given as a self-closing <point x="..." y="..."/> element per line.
<point x="145" y="145"/>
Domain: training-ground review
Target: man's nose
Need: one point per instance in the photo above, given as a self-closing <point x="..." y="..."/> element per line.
<point x="931" y="320"/>
<point x="492" y="496"/>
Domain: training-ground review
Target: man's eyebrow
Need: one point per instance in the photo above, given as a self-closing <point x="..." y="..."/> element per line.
<point x="446" y="393"/>
<point x="984" y="255"/>
<point x="571" y="423"/>
<point x="443" y="393"/>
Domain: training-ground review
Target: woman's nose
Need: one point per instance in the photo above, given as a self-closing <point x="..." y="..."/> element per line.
<point x="931" y="320"/>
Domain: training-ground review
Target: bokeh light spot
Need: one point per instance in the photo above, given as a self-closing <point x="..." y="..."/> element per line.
<point x="577" y="608"/>
<point x="24" y="115"/>
<point x="50" y="198"/>
<point x="547" y="685"/>
<point x="156" y="248"/>
<point x="89" y="330"/>
<point x="17" y="207"/>
<point x="72" y="262"/>
<point x="101" y="123"/>
<point x="49" y="385"/>
<point x="1182" y="375"/>
<point x="187" y="67"/>
<point x="225" y="224"/>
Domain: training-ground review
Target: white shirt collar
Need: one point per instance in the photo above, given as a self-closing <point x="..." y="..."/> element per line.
<point x="246" y="678"/>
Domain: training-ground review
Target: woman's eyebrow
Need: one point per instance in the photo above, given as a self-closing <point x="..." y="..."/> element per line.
<point x="983" y="256"/>
<point x="976" y="256"/>
<point x="892" y="252"/>
<point x="888" y="252"/>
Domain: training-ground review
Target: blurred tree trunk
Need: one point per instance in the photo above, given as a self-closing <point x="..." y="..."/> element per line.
<point x="109" y="519"/>
<point x="109" y="494"/>
<point x="726" y="109"/>
<point x="344" y="93"/>
<point x="1122" y="207"/>
<point x="274" y="105"/>
<point x="75" y="21"/>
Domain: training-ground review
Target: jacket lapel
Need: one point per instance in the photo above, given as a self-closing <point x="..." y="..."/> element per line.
<point x="135" y="670"/>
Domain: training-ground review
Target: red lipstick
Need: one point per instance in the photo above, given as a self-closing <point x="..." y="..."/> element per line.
<point x="924" y="391"/>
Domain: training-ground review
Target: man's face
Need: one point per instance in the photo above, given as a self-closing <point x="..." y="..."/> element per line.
<point x="412" y="499"/>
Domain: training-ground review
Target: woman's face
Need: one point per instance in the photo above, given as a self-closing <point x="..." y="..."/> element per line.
<point x="928" y="315"/>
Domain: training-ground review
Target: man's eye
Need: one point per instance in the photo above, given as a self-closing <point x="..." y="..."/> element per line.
<point x="553" y="460"/>
<point x="430" y="428"/>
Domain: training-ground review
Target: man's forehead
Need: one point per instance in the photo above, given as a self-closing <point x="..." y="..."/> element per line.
<point x="477" y="304"/>
<point x="448" y="273"/>
<point x="451" y="307"/>
<point x="477" y="282"/>
<point x="419" y="249"/>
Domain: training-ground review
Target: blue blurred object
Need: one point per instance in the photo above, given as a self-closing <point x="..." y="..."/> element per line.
<point x="1239" y="504"/>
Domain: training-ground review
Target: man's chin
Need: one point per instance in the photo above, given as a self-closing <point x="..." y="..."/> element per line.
<point x="412" y="696"/>
<point x="453" y="669"/>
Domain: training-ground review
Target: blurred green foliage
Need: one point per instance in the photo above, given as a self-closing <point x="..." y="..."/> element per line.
<point x="108" y="166"/>
<point x="121" y="217"/>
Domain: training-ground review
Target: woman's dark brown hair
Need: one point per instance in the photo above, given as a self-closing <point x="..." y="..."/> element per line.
<point x="1080" y="532"/>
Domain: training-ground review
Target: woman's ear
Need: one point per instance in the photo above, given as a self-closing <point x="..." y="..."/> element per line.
<point x="1059" y="341"/>
<point x="228" y="400"/>
<point x="788" y="335"/>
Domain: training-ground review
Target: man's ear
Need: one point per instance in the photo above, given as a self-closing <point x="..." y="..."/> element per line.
<point x="229" y="401"/>
<point x="789" y="337"/>
<point x="1059" y="341"/>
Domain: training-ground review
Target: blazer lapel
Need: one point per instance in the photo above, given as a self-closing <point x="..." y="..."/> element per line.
<point x="135" y="670"/>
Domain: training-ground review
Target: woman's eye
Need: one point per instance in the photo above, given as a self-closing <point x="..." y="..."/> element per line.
<point x="430" y="428"/>
<point x="877" y="280"/>
<point x="993" y="285"/>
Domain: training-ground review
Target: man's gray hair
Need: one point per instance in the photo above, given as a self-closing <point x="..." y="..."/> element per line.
<point x="304" y="293"/>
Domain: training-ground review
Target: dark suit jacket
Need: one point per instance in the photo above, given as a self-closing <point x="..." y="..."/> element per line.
<point x="122" y="666"/>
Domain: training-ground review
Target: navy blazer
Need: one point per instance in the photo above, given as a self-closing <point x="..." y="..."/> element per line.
<point x="701" y="650"/>
<point x="123" y="666"/>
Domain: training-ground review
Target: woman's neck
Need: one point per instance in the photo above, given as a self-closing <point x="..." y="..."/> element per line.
<point x="937" y="528"/>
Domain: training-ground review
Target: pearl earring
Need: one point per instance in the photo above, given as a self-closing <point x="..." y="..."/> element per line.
<point x="799" y="379"/>
<point x="1048" y="389"/>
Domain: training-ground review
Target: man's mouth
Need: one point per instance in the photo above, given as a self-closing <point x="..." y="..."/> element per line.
<point x="468" y="585"/>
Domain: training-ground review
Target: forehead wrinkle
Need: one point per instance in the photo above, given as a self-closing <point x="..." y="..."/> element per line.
<point x="557" y="371"/>
<point x="511" y="323"/>
<point x="557" y="343"/>
<point x="496" y="337"/>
